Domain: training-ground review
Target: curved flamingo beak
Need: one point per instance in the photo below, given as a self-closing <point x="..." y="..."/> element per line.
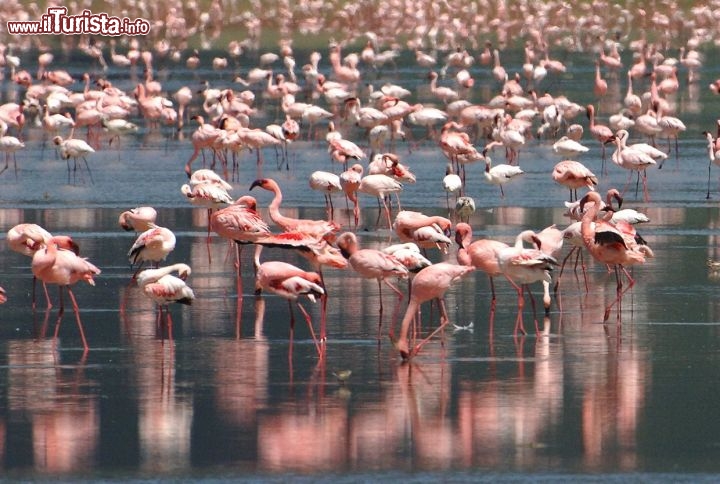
<point x="257" y="183"/>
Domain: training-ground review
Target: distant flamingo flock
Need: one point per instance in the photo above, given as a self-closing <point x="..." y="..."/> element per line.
<point x="263" y="103"/>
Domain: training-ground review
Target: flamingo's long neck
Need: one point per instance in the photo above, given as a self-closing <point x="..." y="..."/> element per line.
<point x="588" y="234"/>
<point x="405" y="326"/>
<point x="274" y="209"/>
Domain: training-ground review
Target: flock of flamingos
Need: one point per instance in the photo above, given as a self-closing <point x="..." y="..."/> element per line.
<point x="324" y="100"/>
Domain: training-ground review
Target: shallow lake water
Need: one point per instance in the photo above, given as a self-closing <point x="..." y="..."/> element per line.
<point x="229" y="397"/>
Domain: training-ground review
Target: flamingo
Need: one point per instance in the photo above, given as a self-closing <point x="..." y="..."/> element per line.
<point x="372" y="264"/>
<point x="241" y="223"/>
<point x="500" y="174"/>
<point x="632" y="159"/>
<point x="137" y="219"/>
<point x="64" y="268"/>
<point x="350" y="183"/>
<point x="573" y="175"/>
<point x="451" y="184"/>
<point x="464" y="208"/>
<point x="607" y="247"/>
<point x="10" y="145"/>
<point x="598" y="131"/>
<point x="326" y="183"/>
<point x="713" y="147"/>
<point x="481" y="254"/>
<point x="74" y="148"/>
<point x="22" y="238"/>
<point x="316" y="228"/>
<point x="569" y="148"/>
<point x="430" y="283"/>
<point x="522" y="267"/>
<point x="153" y="245"/>
<point x="425" y="231"/>
<point x="290" y="282"/>
<point x="164" y="288"/>
<point x="379" y="186"/>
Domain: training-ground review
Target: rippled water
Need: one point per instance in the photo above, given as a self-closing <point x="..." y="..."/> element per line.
<point x="225" y="398"/>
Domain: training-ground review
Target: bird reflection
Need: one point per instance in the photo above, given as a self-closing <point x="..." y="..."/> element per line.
<point x="65" y="421"/>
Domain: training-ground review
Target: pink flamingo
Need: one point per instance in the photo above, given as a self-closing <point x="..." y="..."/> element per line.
<point x="380" y="186"/>
<point x="315" y="228"/>
<point x="290" y="282"/>
<point x="203" y="137"/>
<point x="241" y="223"/>
<point x="350" y="183"/>
<point x="426" y="231"/>
<point x="137" y="219"/>
<point x="481" y="254"/>
<point x="153" y="245"/>
<point x="599" y="131"/>
<point x="430" y="283"/>
<point x="607" y="247"/>
<point x="573" y="175"/>
<point x="372" y="264"/>
<point x="522" y="267"/>
<point x="22" y="239"/>
<point x="164" y="288"/>
<point x="53" y="265"/>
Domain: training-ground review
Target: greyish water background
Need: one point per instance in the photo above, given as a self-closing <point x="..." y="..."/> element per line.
<point x="224" y="400"/>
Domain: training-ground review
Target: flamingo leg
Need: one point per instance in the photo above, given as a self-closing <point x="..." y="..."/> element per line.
<point x="77" y="318"/>
<point x="444" y="321"/>
<point x="310" y="327"/>
<point x="521" y="304"/>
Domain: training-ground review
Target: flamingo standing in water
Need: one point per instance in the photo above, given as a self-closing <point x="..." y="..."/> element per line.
<point x="22" y="238"/>
<point x="153" y="245"/>
<point x="600" y="132"/>
<point x="74" y="148"/>
<point x="164" y="288"/>
<point x="372" y="264"/>
<point x="241" y="223"/>
<point x="290" y="282"/>
<point x="573" y="175"/>
<point x="350" y="183"/>
<point x="607" y="246"/>
<point x="481" y="254"/>
<point x="522" y="267"/>
<point x="430" y="283"/>
<point x="316" y="228"/>
<point x="53" y="265"/>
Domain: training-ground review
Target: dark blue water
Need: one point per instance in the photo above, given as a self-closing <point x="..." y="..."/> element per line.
<point x="225" y="399"/>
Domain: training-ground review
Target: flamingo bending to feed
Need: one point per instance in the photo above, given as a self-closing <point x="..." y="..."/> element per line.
<point x="430" y="283"/>
<point x="290" y="282"/>
<point x="53" y="265"/>
<point x="164" y="288"/>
